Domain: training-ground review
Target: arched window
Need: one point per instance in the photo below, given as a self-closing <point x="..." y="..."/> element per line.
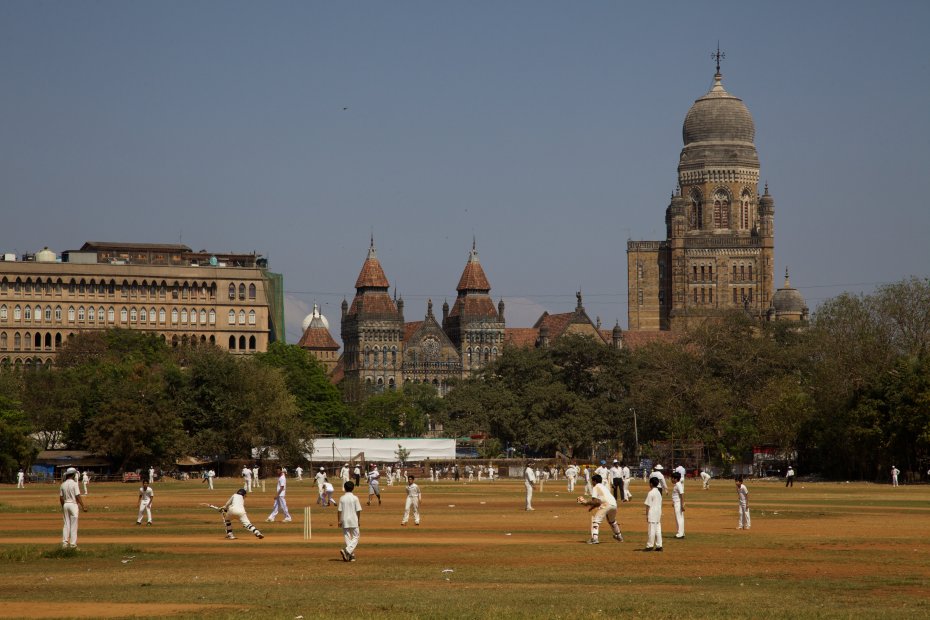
<point x="111" y="314"/>
<point x="232" y="291"/>
<point x="251" y="317"/>
<point x="17" y="313"/>
<point x="242" y="317"/>
<point x="394" y="356"/>
<point x="232" y="343"/>
<point x="28" y="314"/>
<point x="742" y="272"/>
<point x="37" y="313"/>
<point x="152" y="315"/>
<point x="3" y="313"/>
<point x="745" y="199"/>
<point x="133" y="315"/>
<point x="71" y="314"/>
<point x="3" y="341"/>
<point x="58" y="313"/>
<point x="750" y="272"/>
<point x="696" y="212"/>
<point x="694" y="292"/>
<point x="161" y="315"/>
<point x="194" y="316"/>
<point x="174" y="315"/>
<point x="184" y="315"/>
<point x="203" y="317"/>
<point x="17" y="342"/>
<point x="251" y="291"/>
<point x="91" y="314"/>
<point x="232" y="317"/>
<point x="721" y="209"/>
<point x="57" y="340"/>
<point x="212" y="317"/>
<point x="241" y="291"/>
<point x="123" y="315"/>
<point x="48" y="313"/>
<point x="251" y="343"/>
<point x="242" y="342"/>
<point x="48" y="340"/>
<point x="37" y="340"/>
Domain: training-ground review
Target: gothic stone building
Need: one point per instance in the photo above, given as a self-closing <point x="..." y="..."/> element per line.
<point x="718" y="254"/>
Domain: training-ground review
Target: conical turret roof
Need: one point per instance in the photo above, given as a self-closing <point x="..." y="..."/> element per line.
<point x="473" y="278"/>
<point x="372" y="274"/>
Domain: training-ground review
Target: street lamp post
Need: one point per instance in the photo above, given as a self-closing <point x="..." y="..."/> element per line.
<point x="635" y="432"/>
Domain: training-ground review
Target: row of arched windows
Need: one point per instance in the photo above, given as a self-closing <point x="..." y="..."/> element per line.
<point x="243" y="343"/>
<point x="242" y="291"/>
<point x="108" y="315"/>
<point x="231" y="318"/>
<point x="479" y="356"/>
<point x="28" y="363"/>
<point x="706" y="295"/>
<point x="28" y="341"/>
<point x="744" y="272"/>
<point x="721" y="214"/>
<point x="377" y="356"/>
<point x="110" y="288"/>
<point x="742" y="295"/>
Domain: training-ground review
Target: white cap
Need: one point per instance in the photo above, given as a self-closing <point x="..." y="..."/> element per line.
<point x="616" y="461"/>
<point x="658" y="468"/>
<point x="70" y="471"/>
<point x="322" y="469"/>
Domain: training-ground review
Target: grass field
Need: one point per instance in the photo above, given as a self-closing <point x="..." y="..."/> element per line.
<point x="819" y="550"/>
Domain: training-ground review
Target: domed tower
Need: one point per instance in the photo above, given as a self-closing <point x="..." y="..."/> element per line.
<point x="719" y="247"/>
<point x="788" y="304"/>
<point x="474" y="325"/>
<point x="372" y="330"/>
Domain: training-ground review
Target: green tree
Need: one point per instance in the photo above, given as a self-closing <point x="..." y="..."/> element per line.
<point x="16" y="448"/>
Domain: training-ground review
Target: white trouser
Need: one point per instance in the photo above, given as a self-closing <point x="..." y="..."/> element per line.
<point x="279" y="504"/>
<point x="588" y="489"/>
<point x="351" y="536"/>
<point x="209" y="482"/>
<point x="744" y="516"/>
<point x="413" y="503"/>
<point x="85" y="488"/>
<point x="679" y="518"/>
<point x="327" y="499"/>
<point x="894" y="481"/>
<point x="655" y="535"/>
<point x="542" y="482"/>
<point x="626" y="490"/>
<point x="604" y="511"/>
<point x="571" y="484"/>
<point x="145" y="508"/>
<point x="70" y="529"/>
<point x="529" y="495"/>
<point x="20" y="485"/>
<point x="247" y="485"/>
<point x="374" y="488"/>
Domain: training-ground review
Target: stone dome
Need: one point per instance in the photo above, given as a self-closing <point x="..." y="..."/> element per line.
<point x="718" y="116"/>
<point x="314" y="316"/>
<point x="788" y="300"/>
<point x="46" y="256"/>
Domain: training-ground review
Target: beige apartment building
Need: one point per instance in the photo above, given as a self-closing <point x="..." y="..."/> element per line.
<point x="229" y="300"/>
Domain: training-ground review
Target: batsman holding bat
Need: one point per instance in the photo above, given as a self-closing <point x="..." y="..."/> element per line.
<point x="604" y="504"/>
<point x="235" y="507"/>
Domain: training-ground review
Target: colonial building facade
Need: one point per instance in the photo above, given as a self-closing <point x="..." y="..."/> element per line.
<point x="718" y="254"/>
<point x="229" y="300"/>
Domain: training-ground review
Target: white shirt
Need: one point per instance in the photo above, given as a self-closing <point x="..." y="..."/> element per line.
<point x="85" y="478"/>
<point x="615" y="472"/>
<point x="529" y="475"/>
<point x="743" y="494"/>
<point x="654" y="501"/>
<point x="282" y="485"/>
<point x="602" y="492"/>
<point x="658" y="474"/>
<point x="677" y="491"/>
<point x="373" y="476"/>
<point x="344" y="473"/>
<point x="146" y="494"/>
<point x="319" y="477"/>
<point x="790" y="473"/>
<point x="571" y="471"/>
<point x="20" y="475"/>
<point x="681" y="470"/>
<point x="349" y="507"/>
<point x="705" y="475"/>
<point x="246" y="473"/>
<point x="625" y="473"/>
<point x="235" y="504"/>
<point x="211" y="474"/>
<point x="328" y="487"/>
<point x="413" y="491"/>
<point x="69" y="491"/>
<point x="587" y="475"/>
<point x="357" y="471"/>
<point x="602" y="472"/>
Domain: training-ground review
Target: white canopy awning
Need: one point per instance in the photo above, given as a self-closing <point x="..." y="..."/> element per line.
<point x="383" y="450"/>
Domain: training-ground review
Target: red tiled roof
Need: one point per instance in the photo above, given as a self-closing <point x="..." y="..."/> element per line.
<point x="338" y="373"/>
<point x="317" y="338"/>
<point x="410" y="329"/>
<point x="521" y="336"/>
<point x="376" y="302"/>
<point x="372" y="275"/>
<point x="556" y="323"/>
<point x="474" y="305"/>
<point x="473" y="278"/>
<point x="640" y="338"/>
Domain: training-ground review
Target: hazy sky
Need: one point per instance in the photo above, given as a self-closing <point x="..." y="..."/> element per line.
<point x="548" y="130"/>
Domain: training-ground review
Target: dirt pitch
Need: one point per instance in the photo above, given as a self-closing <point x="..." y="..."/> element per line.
<point x="818" y="550"/>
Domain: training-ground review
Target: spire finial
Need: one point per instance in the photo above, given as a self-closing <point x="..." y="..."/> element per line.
<point x="474" y="243"/>
<point x="787" y="283"/>
<point x="718" y="56"/>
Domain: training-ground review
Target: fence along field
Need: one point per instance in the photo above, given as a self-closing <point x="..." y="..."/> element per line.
<point x="817" y="550"/>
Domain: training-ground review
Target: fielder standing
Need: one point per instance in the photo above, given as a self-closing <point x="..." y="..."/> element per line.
<point x="529" y="479"/>
<point x="678" y="503"/>
<point x="374" y="486"/>
<point x="280" y="502"/>
<point x="350" y="515"/>
<point x="654" y="516"/>
<point x="20" y="479"/>
<point x="320" y="478"/>
<point x="246" y="478"/>
<point x="413" y="502"/>
<point x="571" y="473"/>
<point x="69" y="496"/>
<point x="146" y="497"/>
<point x="743" y="494"/>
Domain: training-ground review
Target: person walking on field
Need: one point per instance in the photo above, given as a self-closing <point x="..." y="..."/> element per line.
<point x="571" y="473"/>
<point x="69" y="496"/>
<point x="374" y="486"/>
<point x="413" y="502"/>
<point x="344" y="473"/>
<point x="320" y="478"/>
<point x="357" y="474"/>
<point x="146" y="497"/>
<point x="678" y="503"/>
<point x="654" y="516"/>
<point x="350" y="516"/>
<point x="789" y="477"/>
<point x="743" y="494"/>
<point x="616" y="480"/>
<point x="605" y="506"/>
<point x="20" y="479"/>
<point x="235" y="507"/>
<point x="895" y="472"/>
<point x="529" y="479"/>
<point x="280" y="502"/>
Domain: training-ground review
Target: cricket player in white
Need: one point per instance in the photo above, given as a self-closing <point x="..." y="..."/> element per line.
<point x="413" y="502"/>
<point x="300" y="473"/>
<point x="605" y="505"/>
<point x="390" y="476"/>
<point x="344" y="473"/>
<point x="85" y="478"/>
<point x="625" y="476"/>
<point x="152" y="476"/>
<point x="743" y="494"/>
<point x="350" y="514"/>
<point x="616" y="480"/>
<point x="705" y="479"/>
<point x="255" y="476"/>
<point x="69" y="495"/>
<point x="235" y="506"/>
<point x="654" y="516"/>
<point x="246" y="478"/>
<point x="895" y="472"/>
<point x="210" y="476"/>
<point x="20" y="480"/>
<point x="280" y="502"/>
<point x="327" y="496"/>
<point x="588" y="489"/>
<point x="491" y="472"/>
<point x="320" y="478"/>
<point x="657" y="474"/>
<point x="678" y="503"/>
<point x="146" y="497"/>
<point x="529" y="479"/>
<point x="571" y="472"/>
<point x="374" y="486"/>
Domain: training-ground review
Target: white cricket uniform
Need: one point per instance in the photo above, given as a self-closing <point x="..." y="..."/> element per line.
<point x="85" y="478"/>
<point x="529" y="478"/>
<point x="246" y="478"/>
<point x="654" y="518"/>
<point x="588" y="489"/>
<point x="69" y="492"/>
<point x="344" y="473"/>
<point x="390" y="476"/>
<point x="571" y="473"/>
<point x="607" y="508"/>
<point x="349" y="507"/>
<point x="320" y="478"/>
<point x="280" y="502"/>
<point x="705" y="479"/>
<point x="625" y="476"/>
<point x="743" y="493"/>
<point x="677" y="491"/>
<point x="374" y="485"/>
<point x="255" y="477"/>
<point x="235" y="506"/>
<point x="895" y="472"/>
<point x="327" y="495"/>
<point x="412" y="503"/>
<point x="20" y="480"/>
<point x="152" y="475"/>
<point x="146" y="495"/>
<point x="210" y="476"/>
<point x="491" y="472"/>
<point x="662" y="486"/>
<point x="300" y="473"/>
<point x="541" y="479"/>
<point x="681" y="470"/>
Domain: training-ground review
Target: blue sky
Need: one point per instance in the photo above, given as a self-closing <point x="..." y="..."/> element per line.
<point x="550" y="131"/>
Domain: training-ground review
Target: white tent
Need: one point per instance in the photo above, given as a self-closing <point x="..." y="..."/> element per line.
<point x="382" y="450"/>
